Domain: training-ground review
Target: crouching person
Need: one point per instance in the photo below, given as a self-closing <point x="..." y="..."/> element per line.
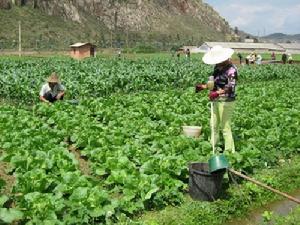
<point x="53" y="90"/>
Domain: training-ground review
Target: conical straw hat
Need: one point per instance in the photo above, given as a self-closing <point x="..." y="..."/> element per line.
<point x="53" y="78"/>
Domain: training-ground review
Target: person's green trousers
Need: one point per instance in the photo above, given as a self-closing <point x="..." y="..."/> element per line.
<point x="220" y="121"/>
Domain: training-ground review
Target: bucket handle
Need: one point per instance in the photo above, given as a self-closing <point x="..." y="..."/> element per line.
<point x="199" y="172"/>
<point x="206" y="173"/>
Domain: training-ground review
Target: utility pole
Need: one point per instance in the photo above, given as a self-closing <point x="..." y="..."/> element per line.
<point x="111" y="39"/>
<point x="20" y="39"/>
<point x="127" y="37"/>
<point x="111" y="32"/>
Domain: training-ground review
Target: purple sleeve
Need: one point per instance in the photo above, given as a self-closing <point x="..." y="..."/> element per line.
<point x="232" y="77"/>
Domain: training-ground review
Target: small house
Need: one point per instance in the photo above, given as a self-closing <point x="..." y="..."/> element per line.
<point x="249" y="40"/>
<point x="82" y="50"/>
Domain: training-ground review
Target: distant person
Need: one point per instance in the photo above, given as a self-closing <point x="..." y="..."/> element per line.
<point x="53" y="90"/>
<point x="250" y="59"/>
<point x="253" y="59"/>
<point x="188" y="54"/>
<point x="258" y="59"/>
<point x="284" y="58"/>
<point x="240" y="57"/>
<point x="119" y="53"/>
<point x="290" y="58"/>
<point x="247" y="59"/>
<point x="273" y="57"/>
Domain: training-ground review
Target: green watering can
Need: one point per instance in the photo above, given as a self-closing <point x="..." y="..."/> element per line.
<point x="216" y="162"/>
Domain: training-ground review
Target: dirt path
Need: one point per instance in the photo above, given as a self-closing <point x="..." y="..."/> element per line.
<point x="82" y="162"/>
<point x="9" y="179"/>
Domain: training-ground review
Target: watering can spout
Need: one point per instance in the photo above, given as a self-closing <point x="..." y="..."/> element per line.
<point x="217" y="163"/>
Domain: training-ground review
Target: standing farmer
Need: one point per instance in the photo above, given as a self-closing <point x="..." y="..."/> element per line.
<point x="188" y="54"/>
<point x="284" y="58"/>
<point x="240" y="57"/>
<point x="52" y="90"/>
<point x="222" y="86"/>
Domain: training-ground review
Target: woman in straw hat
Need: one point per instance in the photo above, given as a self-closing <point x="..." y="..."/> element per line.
<point x="53" y="90"/>
<point x="222" y="85"/>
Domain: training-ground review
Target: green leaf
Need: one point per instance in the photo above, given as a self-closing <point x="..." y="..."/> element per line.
<point x="80" y="193"/>
<point x="149" y="193"/>
<point x="100" y="171"/>
<point x="10" y="215"/>
<point x="97" y="212"/>
<point x="3" y="199"/>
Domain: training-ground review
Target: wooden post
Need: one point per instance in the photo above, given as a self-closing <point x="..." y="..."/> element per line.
<point x="20" y="39"/>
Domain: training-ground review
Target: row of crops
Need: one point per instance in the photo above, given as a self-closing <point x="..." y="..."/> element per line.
<point x="128" y="126"/>
<point x="22" y="79"/>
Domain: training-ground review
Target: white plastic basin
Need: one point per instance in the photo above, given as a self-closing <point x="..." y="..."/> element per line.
<point x="191" y="131"/>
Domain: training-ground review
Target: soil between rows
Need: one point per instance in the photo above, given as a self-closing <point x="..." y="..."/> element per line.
<point x="82" y="162"/>
<point x="9" y="179"/>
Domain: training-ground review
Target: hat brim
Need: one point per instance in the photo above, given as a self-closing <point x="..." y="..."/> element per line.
<point x="51" y="80"/>
<point x="212" y="58"/>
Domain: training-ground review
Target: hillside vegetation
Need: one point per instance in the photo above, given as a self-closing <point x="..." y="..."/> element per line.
<point x="106" y="23"/>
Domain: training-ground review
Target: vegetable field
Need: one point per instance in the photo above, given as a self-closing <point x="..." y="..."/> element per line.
<point x="126" y="130"/>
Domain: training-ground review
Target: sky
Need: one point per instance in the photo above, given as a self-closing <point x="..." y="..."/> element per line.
<point x="260" y="17"/>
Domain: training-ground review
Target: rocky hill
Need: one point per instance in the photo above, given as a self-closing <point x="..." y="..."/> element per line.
<point x="112" y="22"/>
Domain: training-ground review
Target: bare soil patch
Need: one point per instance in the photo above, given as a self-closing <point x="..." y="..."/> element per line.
<point x="9" y="179"/>
<point x="82" y="162"/>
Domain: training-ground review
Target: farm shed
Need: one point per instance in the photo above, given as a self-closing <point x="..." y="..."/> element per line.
<point x="245" y="47"/>
<point x="193" y="49"/>
<point x="293" y="48"/>
<point x="82" y="50"/>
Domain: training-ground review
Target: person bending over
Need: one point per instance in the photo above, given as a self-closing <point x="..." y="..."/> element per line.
<point x="53" y="90"/>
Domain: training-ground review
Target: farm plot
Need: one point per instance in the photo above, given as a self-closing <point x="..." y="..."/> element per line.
<point x="133" y="143"/>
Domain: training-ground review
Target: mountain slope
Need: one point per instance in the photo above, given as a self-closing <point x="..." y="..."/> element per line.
<point x="114" y="22"/>
<point x="280" y="37"/>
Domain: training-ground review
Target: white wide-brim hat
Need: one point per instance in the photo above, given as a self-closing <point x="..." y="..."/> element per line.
<point x="217" y="54"/>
